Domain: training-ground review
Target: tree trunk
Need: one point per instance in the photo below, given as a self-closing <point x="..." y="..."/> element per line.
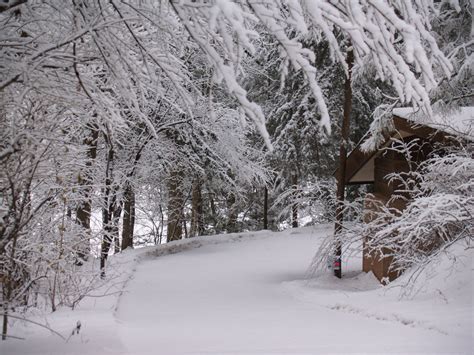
<point x="117" y="243"/>
<point x="265" y="208"/>
<point x="175" y="206"/>
<point x="111" y="211"/>
<point x="8" y="288"/>
<point x="341" y="179"/>
<point x="83" y="211"/>
<point x="232" y="214"/>
<point x="294" y="207"/>
<point x="217" y="226"/>
<point x="117" y="211"/>
<point x="128" y="220"/>
<point x="197" y="225"/>
<point x="129" y="202"/>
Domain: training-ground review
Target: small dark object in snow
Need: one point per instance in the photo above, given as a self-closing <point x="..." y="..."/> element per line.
<point x="77" y="328"/>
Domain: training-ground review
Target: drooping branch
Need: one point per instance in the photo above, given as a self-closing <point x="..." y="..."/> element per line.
<point x="10" y="4"/>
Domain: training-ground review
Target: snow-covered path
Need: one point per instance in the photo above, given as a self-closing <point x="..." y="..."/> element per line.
<point x="245" y="294"/>
<point x="244" y="298"/>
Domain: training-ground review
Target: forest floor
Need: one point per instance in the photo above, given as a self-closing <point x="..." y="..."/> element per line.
<point x="247" y="294"/>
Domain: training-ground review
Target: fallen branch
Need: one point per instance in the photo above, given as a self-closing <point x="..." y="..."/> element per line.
<point x="36" y="323"/>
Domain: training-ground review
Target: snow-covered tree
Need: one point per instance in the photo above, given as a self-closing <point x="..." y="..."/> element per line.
<point x="98" y="99"/>
<point x="454" y="33"/>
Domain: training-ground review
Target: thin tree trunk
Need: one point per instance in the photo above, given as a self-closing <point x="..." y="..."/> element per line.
<point x="117" y="211"/>
<point x="110" y="212"/>
<point x="214" y="213"/>
<point x="162" y="225"/>
<point x="197" y="225"/>
<point x="232" y="214"/>
<point x="128" y="220"/>
<point x="265" y="208"/>
<point x="117" y="243"/>
<point x="341" y="179"/>
<point x="83" y="211"/>
<point x="175" y="206"/>
<point x="56" y="267"/>
<point x="8" y="289"/>
<point x="185" y="229"/>
<point x="5" y="321"/>
<point x="294" y="207"/>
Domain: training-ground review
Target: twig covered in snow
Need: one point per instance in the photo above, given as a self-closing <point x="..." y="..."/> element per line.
<point x="439" y="212"/>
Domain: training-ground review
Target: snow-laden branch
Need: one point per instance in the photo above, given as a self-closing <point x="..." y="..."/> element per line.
<point x="439" y="211"/>
<point x="395" y="36"/>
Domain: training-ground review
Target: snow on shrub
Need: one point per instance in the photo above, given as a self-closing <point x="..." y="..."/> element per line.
<point x="439" y="212"/>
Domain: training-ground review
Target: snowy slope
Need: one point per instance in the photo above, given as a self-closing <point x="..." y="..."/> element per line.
<point x="245" y="294"/>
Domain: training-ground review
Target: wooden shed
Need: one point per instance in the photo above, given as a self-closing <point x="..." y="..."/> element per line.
<point x="372" y="167"/>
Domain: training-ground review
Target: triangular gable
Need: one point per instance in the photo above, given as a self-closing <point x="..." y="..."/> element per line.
<point x="407" y="122"/>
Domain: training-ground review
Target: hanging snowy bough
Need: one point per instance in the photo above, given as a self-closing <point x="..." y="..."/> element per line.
<point x="395" y="36"/>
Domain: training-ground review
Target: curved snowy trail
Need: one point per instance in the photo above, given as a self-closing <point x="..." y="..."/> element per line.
<point x="242" y="297"/>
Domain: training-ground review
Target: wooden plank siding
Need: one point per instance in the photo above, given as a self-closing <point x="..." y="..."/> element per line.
<point x="373" y="168"/>
<point x="357" y="159"/>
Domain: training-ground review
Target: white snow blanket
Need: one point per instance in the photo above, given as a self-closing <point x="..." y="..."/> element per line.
<point x="458" y="122"/>
<point x="247" y="294"/>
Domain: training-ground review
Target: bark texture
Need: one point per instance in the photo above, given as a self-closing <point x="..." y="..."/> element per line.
<point x="341" y="179"/>
<point x="197" y="223"/>
<point x="83" y="211"/>
<point x="128" y="220"/>
<point x="294" y="207"/>
<point x="175" y="206"/>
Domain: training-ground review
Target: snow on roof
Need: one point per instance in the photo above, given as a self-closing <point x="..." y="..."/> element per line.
<point x="459" y="122"/>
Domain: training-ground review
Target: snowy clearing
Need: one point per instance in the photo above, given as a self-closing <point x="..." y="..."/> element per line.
<point x="246" y="294"/>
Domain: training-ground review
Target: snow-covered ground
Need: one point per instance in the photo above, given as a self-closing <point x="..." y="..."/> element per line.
<point x="246" y="294"/>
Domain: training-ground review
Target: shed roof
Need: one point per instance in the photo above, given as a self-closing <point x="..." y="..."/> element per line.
<point x="459" y="122"/>
<point x="408" y="122"/>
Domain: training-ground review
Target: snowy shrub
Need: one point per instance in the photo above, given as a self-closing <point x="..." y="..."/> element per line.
<point x="441" y="211"/>
<point x="314" y="200"/>
<point x="439" y="197"/>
